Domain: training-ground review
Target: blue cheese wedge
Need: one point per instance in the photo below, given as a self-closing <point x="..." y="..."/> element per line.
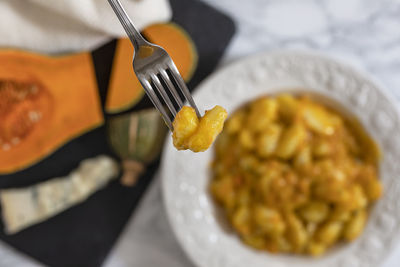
<point x="24" y="207"/>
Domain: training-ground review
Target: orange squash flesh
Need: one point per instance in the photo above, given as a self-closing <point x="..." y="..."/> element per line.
<point x="125" y="89"/>
<point x="44" y="103"/>
<point x="177" y="42"/>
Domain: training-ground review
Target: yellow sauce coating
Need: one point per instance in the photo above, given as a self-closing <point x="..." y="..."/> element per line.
<point x="196" y="134"/>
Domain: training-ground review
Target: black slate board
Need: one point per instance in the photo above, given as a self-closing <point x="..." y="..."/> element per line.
<point x="84" y="234"/>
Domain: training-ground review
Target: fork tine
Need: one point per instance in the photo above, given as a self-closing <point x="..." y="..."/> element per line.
<point x="154" y="99"/>
<point x="164" y="95"/>
<point x="182" y="86"/>
<point x="171" y="87"/>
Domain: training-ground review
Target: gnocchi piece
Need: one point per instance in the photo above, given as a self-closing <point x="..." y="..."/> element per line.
<point x="322" y="148"/>
<point x="268" y="140"/>
<point x="355" y="225"/>
<point x="319" y="119"/>
<point x="357" y="199"/>
<point x="194" y="134"/>
<point x="235" y="123"/>
<point x="255" y="241"/>
<point x="303" y="158"/>
<point x="297" y="234"/>
<point x="329" y="232"/>
<point x="315" y="211"/>
<point x="185" y="124"/>
<point x="373" y="189"/>
<point x="262" y="113"/>
<point x="264" y="182"/>
<point x="350" y="142"/>
<point x="288" y="106"/>
<point x="291" y="140"/>
<point x="210" y="126"/>
<point x="370" y="184"/>
<point x="340" y="214"/>
<point x="330" y="189"/>
<point x="241" y="219"/>
<point x="249" y="163"/>
<point x="246" y="139"/>
<point x="268" y="220"/>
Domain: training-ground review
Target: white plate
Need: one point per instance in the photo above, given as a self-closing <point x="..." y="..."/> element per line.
<point x="185" y="175"/>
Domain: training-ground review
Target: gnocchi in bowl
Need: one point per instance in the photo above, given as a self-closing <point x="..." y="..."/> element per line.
<point x="292" y="175"/>
<point x="202" y="226"/>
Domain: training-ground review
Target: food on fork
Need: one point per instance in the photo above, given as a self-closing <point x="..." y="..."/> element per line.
<point x="295" y="176"/>
<point x="197" y="134"/>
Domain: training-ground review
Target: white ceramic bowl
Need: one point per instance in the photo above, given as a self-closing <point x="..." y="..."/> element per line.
<point x="185" y="175"/>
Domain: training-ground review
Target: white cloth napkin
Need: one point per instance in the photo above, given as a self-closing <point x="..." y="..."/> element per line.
<point x="57" y="26"/>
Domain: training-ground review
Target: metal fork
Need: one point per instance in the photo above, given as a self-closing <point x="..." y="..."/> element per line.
<point x="156" y="71"/>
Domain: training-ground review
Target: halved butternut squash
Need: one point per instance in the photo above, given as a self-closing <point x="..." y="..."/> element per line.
<point x="44" y="102"/>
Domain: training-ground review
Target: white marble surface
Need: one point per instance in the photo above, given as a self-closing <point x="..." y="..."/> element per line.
<point x="365" y="33"/>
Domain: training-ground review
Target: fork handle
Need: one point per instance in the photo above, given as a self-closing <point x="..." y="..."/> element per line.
<point x="133" y="34"/>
